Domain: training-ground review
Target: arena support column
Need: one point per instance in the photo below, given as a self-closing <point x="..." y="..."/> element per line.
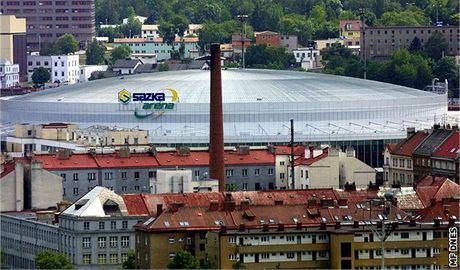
<point x="216" y="124"/>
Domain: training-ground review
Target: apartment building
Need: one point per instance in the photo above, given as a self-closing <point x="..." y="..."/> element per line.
<point x="350" y="31"/>
<point x="291" y="42"/>
<point x="13" y="40"/>
<point x="283" y="163"/>
<point x="445" y="159"/>
<point x="381" y="42"/>
<point x="276" y="230"/>
<point x="155" y="45"/>
<point x="62" y="68"/>
<point x="268" y="38"/>
<point x="48" y="20"/>
<point x="398" y="162"/>
<point x="9" y="74"/>
<point x="152" y="30"/>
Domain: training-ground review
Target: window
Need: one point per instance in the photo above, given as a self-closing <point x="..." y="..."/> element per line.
<point x="124" y="257"/>
<point x="290" y="238"/>
<point x="75" y="191"/>
<point x="63" y="176"/>
<point x="282" y="175"/>
<point x="101" y="225"/>
<point x="91" y="176"/>
<point x="125" y="241"/>
<point x="282" y="162"/>
<point x="228" y="173"/>
<point x="233" y="257"/>
<point x="270" y="171"/>
<point x="113" y="241"/>
<point x="290" y="255"/>
<point x="404" y="251"/>
<point x="232" y="239"/>
<point x="124" y="224"/>
<point x="264" y="239"/>
<point x="101" y="242"/>
<point x="257" y="172"/>
<point x="108" y="175"/>
<point x="136" y="188"/>
<point x="196" y="173"/>
<point x="75" y="176"/>
<point x="86" y="242"/>
<point x="101" y="258"/>
<point x="113" y="258"/>
<point x="436" y="251"/>
<point x="405" y="235"/>
<point x="437" y="234"/>
<point x="113" y="225"/>
<point x="124" y="188"/>
<point x="245" y="186"/>
<point x="378" y="252"/>
<point x="172" y="255"/>
<point x="136" y="175"/>
<point x="87" y="259"/>
<point x="86" y="225"/>
<point x="322" y="253"/>
<point x="265" y="255"/>
<point x="171" y="240"/>
<point x="123" y="175"/>
<point x="245" y="172"/>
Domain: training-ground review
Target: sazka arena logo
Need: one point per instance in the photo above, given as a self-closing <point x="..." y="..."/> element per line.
<point x="159" y="102"/>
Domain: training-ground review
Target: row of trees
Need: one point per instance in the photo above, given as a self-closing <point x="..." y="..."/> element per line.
<point x="308" y="19"/>
<point x="413" y="67"/>
<point x="65" y="44"/>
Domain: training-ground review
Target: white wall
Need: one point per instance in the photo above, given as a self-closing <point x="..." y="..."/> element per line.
<point x="12" y="190"/>
<point x="9" y="75"/>
<point x="63" y="68"/>
<point x="85" y="71"/>
<point x="46" y="187"/>
<point x="354" y="170"/>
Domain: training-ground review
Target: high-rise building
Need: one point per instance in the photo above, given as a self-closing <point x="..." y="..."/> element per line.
<point x="48" y="20"/>
<point x="13" y="40"/>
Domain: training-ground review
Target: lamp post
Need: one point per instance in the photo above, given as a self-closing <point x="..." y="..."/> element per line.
<point x="242" y="18"/>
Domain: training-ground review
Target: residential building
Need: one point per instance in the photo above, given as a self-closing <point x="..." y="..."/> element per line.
<point x="291" y="229"/>
<point x="398" y="163"/>
<point x="434" y="189"/>
<point x="87" y="70"/>
<point x="146" y="58"/>
<point x="155" y="45"/>
<point x="9" y="74"/>
<point x="48" y="20"/>
<point x="350" y="31"/>
<point x="126" y="66"/>
<point x="328" y="167"/>
<point x="181" y="181"/>
<point x="289" y="41"/>
<point x="237" y="44"/>
<point x="125" y="172"/>
<point x="12" y="186"/>
<point x="381" y="42"/>
<point x="268" y="38"/>
<point x="226" y="51"/>
<point x="322" y="44"/>
<point x="62" y="68"/>
<point x="283" y="163"/>
<point x="140" y="18"/>
<point x="445" y="159"/>
<point x="422" y="153"/>
<point x="307" y="57"/>
<point x="152" y="31"/>
<point x="13" y="40"/>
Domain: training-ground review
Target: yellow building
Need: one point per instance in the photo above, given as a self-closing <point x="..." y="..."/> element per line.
<point x="13" y="41"/>
<point x="293" y="230"/>
<point x="350" y="31"/>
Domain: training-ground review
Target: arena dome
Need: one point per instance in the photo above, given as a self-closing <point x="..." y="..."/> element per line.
<point x="258" y="106"/>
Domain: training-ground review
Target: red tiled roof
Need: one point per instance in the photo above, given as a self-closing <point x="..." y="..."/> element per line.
<point x="443" y="210"/>
<point x="407" y="146"/>
<point x="450" y="147"/>
<point x="391" y="147"/>
<point x="76" y="161"/>
<point x="431" y="180"/>
<point x="134" y="160"/>
<point x="135" y="204"/>
<point x="309" y="161"/>
<point x="201" y="158"/>
<point x="438" y="190"/>
<point x="156" y="40"/>
<point x="8" y="167"/>
<point x="128" y="40"/>
<point x="299" y="150"/>
<point x="356" y="25"/>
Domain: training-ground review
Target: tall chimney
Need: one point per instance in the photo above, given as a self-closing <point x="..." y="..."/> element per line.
<point x="216" y="125"/>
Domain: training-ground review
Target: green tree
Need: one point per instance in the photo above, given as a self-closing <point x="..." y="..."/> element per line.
<point x="130" y="262"/>
<point x="66" y="44"/>
<point x="132" y="28"/>
<point x="40" y="76"/>
<point x="167" y="32"/>
<point x="267" y="15"/>
<point x="121" y="52"/>
<point x="447" y="68"/>
<point x="184" y="260"/>
<point x="53" y="260"/>
<point x="414" y="17"/>
<point x="435" y="46"/>
<point x="294" y="24"/>
<point x="263" y="56"/>
<point x="95" y="53"/>
<point x="415" y="45"/>
<point x="163" y="67"/>
<point x="48" y="48"/>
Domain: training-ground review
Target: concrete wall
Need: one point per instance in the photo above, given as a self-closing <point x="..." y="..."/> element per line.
<point x="46" y="187"/>
<point x="354" y="170"/>
<point x="12" y="190"/>
<point x="324" y="173"/>
<point x="9" y="25"/>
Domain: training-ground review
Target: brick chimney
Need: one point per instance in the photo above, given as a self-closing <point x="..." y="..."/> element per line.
<point x="216" y="125"/>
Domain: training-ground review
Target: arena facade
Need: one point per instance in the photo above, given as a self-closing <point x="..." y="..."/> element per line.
<point x="258" y="106"/>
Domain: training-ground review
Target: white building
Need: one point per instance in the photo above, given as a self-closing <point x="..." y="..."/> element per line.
<point x="307" y="58"/>
<point x="9" y="74"/>
<point x="180" y="181"/>
<point x="86" y="71"/>
<point x="63" y="68"/>
<point x="152" y="30"/>
<point x="140" y="18"/>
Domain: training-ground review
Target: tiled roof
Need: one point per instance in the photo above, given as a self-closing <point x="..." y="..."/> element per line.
<point x="299" y="150"/>
<point x="441" y="210"/>
<point x="121" y="63"/>
<point x="431" y="180"/>
<point x="134" y="160"/>
<point x="8" y="167"/>
<point x="309" y="161"/>
<point x="438" y="190"/>
<point x="356" y="25"/>
<point x="128" y="40"/>
<point x="266" y="33"/>
<point x="450" y="148"/>
<point x="75" y="161"/>
<point x="432" y="142"/>
<point x="233" y="212"/>
<point x="391" y="147"/>
<point x="407" y="146"/>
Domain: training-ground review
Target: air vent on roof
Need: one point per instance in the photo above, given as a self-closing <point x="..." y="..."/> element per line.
<point x="149" y="221"/>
